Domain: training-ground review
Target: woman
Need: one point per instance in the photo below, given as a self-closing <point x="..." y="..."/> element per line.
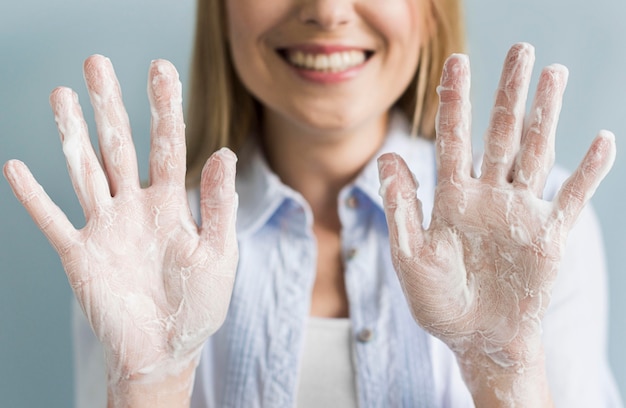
<point x="308" y="94"/>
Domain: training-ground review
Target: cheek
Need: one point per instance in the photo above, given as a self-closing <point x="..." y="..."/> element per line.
<point x="239" y="16"/>
<point x="249" y="24"/>
<point x="243" y="31"/>
<point x="401" y="24"/>
<point x="397" y="18"/>
<point x="254" y="18"/>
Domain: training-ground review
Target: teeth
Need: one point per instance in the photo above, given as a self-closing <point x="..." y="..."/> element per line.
<point x="335" y="62"/>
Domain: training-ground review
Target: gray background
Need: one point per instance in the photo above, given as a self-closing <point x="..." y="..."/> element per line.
<point x="43" y="44"/>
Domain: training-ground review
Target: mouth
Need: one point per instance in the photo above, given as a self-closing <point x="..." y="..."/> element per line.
<point x="330" y="62"/>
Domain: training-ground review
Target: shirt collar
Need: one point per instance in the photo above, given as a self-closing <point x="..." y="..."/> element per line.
<point x="261" y="192"/>
<point x="417" y="152"/>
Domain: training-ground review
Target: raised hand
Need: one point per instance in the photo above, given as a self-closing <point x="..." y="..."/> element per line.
<point x="152" y="284"/>
<point x="480" y="276"/>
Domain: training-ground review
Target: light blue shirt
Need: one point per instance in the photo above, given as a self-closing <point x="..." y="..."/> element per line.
<point x="254" y="359"/>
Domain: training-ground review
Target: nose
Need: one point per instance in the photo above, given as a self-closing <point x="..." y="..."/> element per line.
<point x="327" y="14"/>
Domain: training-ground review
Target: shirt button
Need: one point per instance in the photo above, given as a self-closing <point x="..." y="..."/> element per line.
<point x="351" y="253"/>
<point x="365" y="335"/>
<point x="352" y="202"/>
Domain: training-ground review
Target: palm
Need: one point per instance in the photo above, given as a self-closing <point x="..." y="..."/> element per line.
<point x="480" y="276"/>
<point x="152" y="284"/>
<point x="150" y="269"/>
<point x="501" y="248"/>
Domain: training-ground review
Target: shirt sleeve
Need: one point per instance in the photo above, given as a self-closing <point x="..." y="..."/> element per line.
<point x="575" y="325"/>
<point x="90" y="389"/>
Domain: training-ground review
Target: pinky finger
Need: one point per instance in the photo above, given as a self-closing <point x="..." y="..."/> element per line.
<point x="582" y="184"/>
<point x="47" y="215"/>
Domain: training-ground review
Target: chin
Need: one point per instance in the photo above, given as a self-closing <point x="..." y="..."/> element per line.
<point x="336" y="119"/>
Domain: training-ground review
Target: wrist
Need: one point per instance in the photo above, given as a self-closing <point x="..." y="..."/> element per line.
<point x="165" y="390"/>
<point x="507" y="378"/>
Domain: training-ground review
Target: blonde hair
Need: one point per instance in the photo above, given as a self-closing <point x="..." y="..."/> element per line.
<point x="222" y="113"/>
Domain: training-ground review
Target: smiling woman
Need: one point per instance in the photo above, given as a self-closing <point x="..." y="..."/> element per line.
<point x="390" y="34"/>
<point x="224" y="110"/>
<point x="312" y="272"/>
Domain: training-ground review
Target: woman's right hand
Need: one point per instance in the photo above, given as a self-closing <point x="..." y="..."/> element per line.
<point x="152" y="284"/>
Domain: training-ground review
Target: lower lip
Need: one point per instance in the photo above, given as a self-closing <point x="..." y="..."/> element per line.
<point x="327" y="77"/>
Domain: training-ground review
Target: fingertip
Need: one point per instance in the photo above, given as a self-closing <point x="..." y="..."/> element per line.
<point x="102" y="83"/>
<point x="61" y="94"/>
<point x="387" y="165"/>
<point x="386" y="158"/>
<point x="456" y="65"/>
<point x="522" y="48"/>
<point x="458" y="58"/>
<point x="94" y="62"/>
<point x="607" y="135"/>
<point x="164" y="82"/>
<point x="96" y="59"/>
<point x="11" y="168"/>
<point x="227" y="155"/>
<point x="558" y="68"/>
<point x="395" y="177"/>
<point x="19" y="177"/>
<point x="163" y="65"/>
<point x="558" y="72"/>
<point x="605" y="145"/>
<point x="67" y="112"/>
<point x="520" y="60"/>
<point x="604" y="142"/>
<point x="227" y="162"/>
<point x="455" y="80"/>
<point x="218" y="174"/>
<point x="222" y="157"/>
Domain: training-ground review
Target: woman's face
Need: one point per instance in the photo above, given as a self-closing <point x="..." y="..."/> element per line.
<point x="326" y="65"/>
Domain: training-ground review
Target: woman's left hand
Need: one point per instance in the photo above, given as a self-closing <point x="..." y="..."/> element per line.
<point x="480" y="276"/>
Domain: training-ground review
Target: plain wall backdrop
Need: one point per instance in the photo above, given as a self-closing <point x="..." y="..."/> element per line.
<point x="43" y="44"/>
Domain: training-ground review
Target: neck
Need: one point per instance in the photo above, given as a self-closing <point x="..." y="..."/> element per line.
<point x="319" y="163"/>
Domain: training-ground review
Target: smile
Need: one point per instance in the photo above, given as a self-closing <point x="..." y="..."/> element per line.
<point x="325" y="62"/>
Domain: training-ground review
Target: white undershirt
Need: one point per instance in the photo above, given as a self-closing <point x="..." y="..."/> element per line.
<point x="327" y="375"/>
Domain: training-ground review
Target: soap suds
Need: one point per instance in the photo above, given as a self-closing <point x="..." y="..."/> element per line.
<point x="480" y="276"/>
<point x="152" y="284"/>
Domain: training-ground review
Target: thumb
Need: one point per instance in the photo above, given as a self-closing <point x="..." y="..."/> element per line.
<point x="218" y="199"/>
<point x="403" y="210"/>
